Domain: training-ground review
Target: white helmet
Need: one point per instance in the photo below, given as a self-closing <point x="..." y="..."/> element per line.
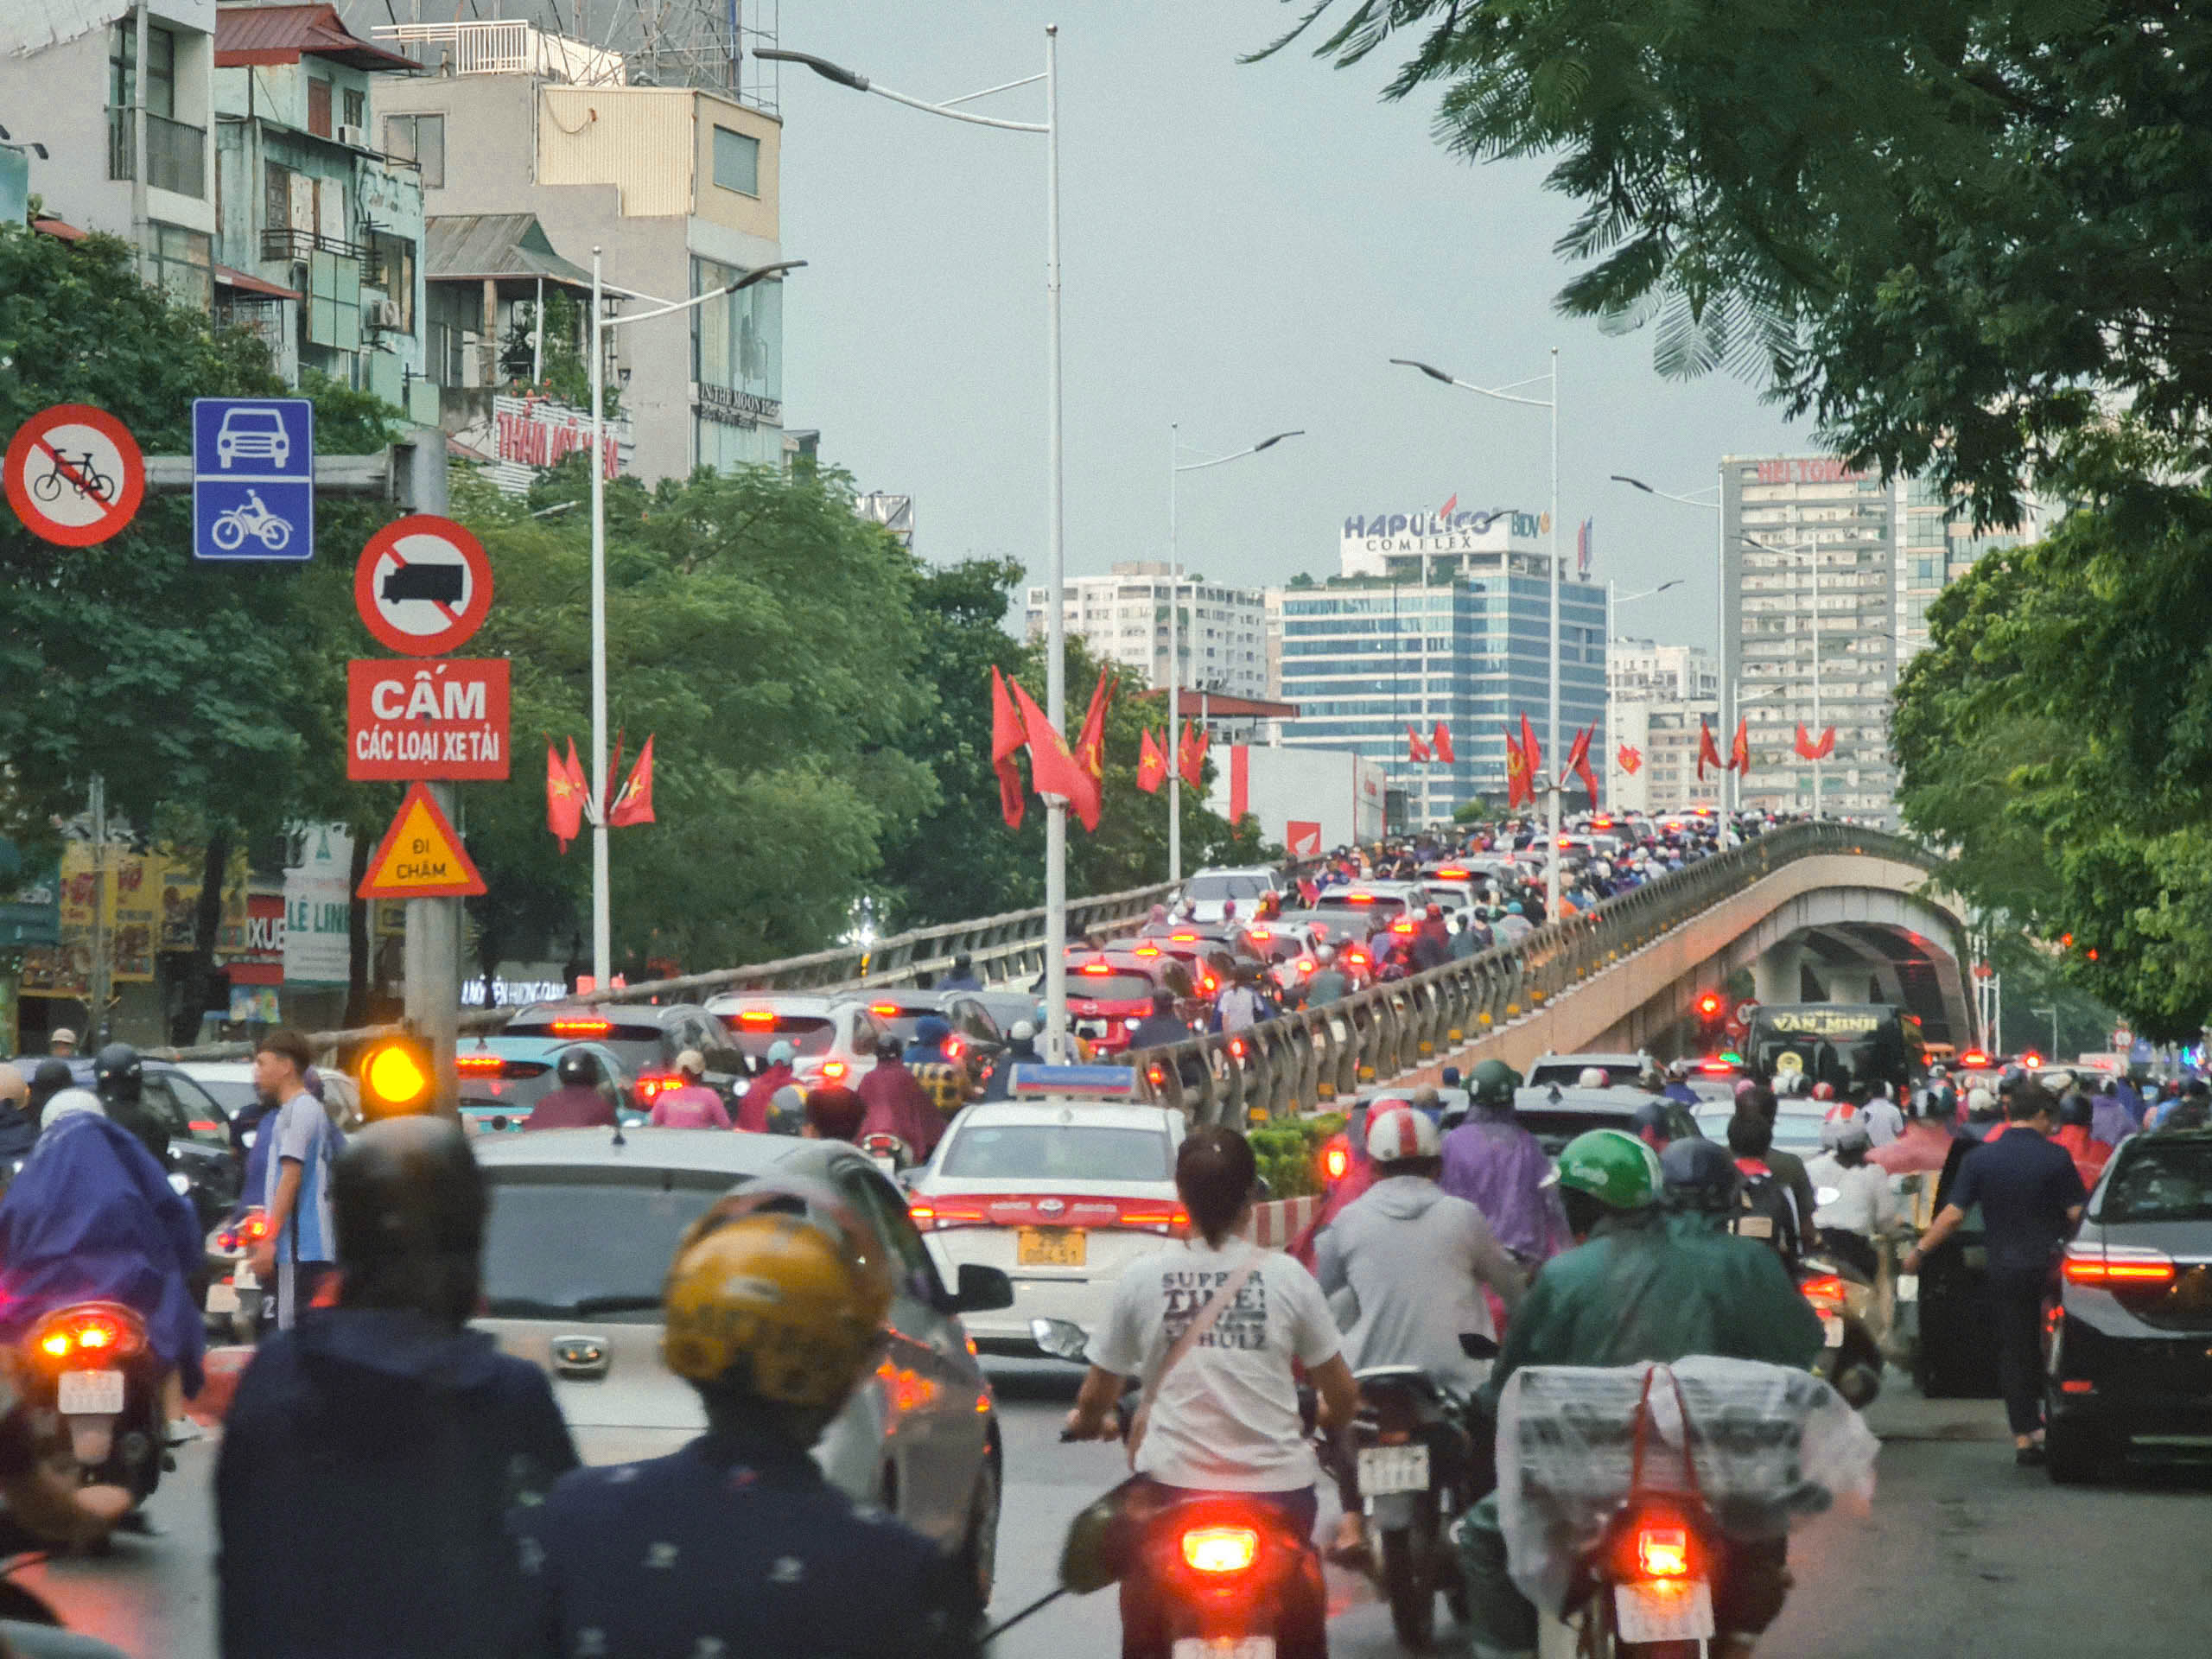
<point x="1400" y="1131"/>
<point x="1593" y="1076"/>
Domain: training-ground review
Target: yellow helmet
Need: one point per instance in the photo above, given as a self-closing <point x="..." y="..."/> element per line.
<point x="782" y="1276"/>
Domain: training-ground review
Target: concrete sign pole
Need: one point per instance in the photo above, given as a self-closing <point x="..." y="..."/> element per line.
<point x="433" y="951"/>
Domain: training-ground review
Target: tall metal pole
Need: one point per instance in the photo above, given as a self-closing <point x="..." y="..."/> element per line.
<point x="1551" y="904"/>
<point x="99" y="983"/>
<point x="602" y="924"/>
<point x="1174" y="671"/>
<point x="1056" y="668"/>
<point x="1817" y="672"/>
<point x="1731" y="786"/>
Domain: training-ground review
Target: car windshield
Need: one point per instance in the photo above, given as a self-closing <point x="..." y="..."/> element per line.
<point x="233" y="1098"/>
<point x="2160" y="1178"/>
<point x="1058" y="1152"/>
<point x="590" y="1246"/>
<point x="1109" y="987"/>
<point x="1212" y="888"/>
<point x="758" y="1029"/>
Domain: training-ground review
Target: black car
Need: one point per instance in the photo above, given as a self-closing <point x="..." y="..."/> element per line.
<point x="2130" y="1370"/>
<point x="646" y="1036"/>
<point x="201" y="1164"/>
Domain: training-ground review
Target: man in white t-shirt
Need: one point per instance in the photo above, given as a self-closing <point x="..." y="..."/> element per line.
<point x="298" y="1252"/>
<point x="1224" y="1417"/>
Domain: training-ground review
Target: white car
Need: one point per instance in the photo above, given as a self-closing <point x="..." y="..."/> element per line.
<point x="1058" y="1192"/>
<point x="834" y="1037"/>
<point x="582" y="1230"/>
<point x="1208" y="889"/>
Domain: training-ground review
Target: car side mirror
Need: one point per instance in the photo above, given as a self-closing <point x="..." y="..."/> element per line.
<point x="981" y="1289"/>
<point x="1478" y="1347"/>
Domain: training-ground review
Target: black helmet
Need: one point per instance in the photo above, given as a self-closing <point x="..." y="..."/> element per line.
<point x="52" y="1076"/>
<point x="1699" y="1175"/>
<point x="118" y="1074"/>
<point x="890" y="1048"/>
<point x="410" y="1204"/>
<point x="576" y="1069"/>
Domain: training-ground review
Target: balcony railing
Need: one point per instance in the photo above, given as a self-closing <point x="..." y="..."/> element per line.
<point x="288" y="242"/>
<point x="176" y="152"/>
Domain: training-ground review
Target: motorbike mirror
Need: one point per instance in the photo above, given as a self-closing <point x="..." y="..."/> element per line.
<point x="1478" y="1347"/>
<point x="1059" y="1338"/>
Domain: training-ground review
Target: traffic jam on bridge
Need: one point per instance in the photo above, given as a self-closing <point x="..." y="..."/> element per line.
<point x="1499" y="1089"/>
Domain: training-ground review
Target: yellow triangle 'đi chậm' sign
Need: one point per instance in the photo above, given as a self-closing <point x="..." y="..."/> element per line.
<point x="420" y="856"/>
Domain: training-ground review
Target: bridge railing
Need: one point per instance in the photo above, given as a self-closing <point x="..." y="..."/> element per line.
<point x="1304" y="1059"/>
<point x="1010" y="946"/>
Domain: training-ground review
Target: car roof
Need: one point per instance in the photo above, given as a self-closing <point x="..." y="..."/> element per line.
<point x="217" y="1070"/>
<point x="1586" y="1060"/>
<point x="616" y="1014"/>
<point x="1539" y="1097"/>
<point x="783" y="1002"/>
<point x="727" y="1151"/>
<point x="1052" y="1111"/>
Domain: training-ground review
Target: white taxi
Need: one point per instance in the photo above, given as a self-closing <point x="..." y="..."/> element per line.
<point x="1060" y="1187"/>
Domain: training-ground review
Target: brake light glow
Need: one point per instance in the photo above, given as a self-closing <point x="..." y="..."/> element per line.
<point x="1184" y="938"/>
<point x="2118" y="1266"/>
<point x="1401" y="925"/>
<point x="1973" y="1059"/>
<point x="475" y="1063"/>
<point x="1360" y="898"/>
<point x="651" y="1085"/>
<point x="953" y="1048"/>
<point x="1146" y="950"/>
<point x="1307" y="965"/>
<point x="100" y="1331"/>
<point x="2031" y="1059"/>
<point x="835" y="1070"/>
<point x="1827" y="1287"/>
<point x="1220" y="1550"/>
<point x="1261" y="933"/>
<point x="1663" y="1552"/>
<point x="757" y="1019"/>
<point x="1336" y="1160"/>
<point x="1096" y="968"/>
<point x="1236" y="1048"/>
<point x="884" y="1010"/>
<point x="1451" y="875"/>
<point x="1715" y="1067"/>
<point x="582" y="1028"/>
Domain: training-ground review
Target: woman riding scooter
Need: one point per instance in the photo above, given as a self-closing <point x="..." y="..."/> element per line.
<point x="1212" y="1325"/>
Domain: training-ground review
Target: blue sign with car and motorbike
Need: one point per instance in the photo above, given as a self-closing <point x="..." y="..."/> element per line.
<point x="252" y="478"/>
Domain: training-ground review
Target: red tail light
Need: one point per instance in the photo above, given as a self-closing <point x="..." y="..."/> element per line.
<point x="835" y="1070"/>
<point x="939" y="1214"/>
<point x="1973" y="1059"/>
<point x="1658" y="1542"/>
<point x="1220" y="1550"/>
<point x="1827" y="1287"/>
<point x="1096" y="968"/>
<point x="1236" y="1048"/>
<point x="1715" y="1068"/>
<point x="1336" y="1161"/>
<point x="757" y="1019"/>
<point x="884" y="1010"/>
<point x="581" y="1027"/>
<point x="953" y="1048"/>
<point x="650" y="1085"/>
<point x="478" y="1064"/>
<point x="95" y="1331"/>
<point x="2118" y="1266"/>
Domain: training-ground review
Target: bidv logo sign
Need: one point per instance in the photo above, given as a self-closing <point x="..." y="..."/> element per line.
<point x="1444" y="531"/>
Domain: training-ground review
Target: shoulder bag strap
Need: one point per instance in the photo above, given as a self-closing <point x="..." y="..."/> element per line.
<point x="1193" y="1333"/>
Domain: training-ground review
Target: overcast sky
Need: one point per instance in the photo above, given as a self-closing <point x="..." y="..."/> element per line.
<point x="1244" y="248"/>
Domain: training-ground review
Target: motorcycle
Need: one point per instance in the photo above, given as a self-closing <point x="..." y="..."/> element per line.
<point x="1216" y="1575"/>
<point x="1851" y="1351"/>
<point x="233" y="1299"/>
<point x="1418" y="1463"/>
<point x="889" y="1152"/>
<point x="90" y="1362"/>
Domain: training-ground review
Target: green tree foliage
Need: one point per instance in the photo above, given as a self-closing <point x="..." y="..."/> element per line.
<point x="1943" y="228"/>
<point x="2058" y="735"/>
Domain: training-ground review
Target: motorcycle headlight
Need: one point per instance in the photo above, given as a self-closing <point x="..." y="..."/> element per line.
<point x="180" y="1183"/>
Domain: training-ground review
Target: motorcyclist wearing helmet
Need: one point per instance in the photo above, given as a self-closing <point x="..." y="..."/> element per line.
<point x="579" y="1103"/>
<point x="1497" y="1165"/>
<point x="1634" y="1289"/>
<point x="377" y="1445"/>
<point x="897" y="1105"/>
<point x="1416" y="1258"/>
<point x="736" y="1544"/>
<point x="118" y="1078"/>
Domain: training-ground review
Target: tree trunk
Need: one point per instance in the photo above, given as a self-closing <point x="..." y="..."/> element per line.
<point x="206" y="926"/>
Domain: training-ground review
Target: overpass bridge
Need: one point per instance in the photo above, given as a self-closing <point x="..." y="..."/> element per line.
<point x="1813" y="910"/>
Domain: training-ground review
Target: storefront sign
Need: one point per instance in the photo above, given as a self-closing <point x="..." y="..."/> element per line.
<point x="536" y="433"/>
<point x="730" y="407"/>
<point x="317" y="904"/>
<point x="262" y="963"/>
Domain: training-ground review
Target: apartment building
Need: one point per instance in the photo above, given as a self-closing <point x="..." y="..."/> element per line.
<point x="1220" y="632"/>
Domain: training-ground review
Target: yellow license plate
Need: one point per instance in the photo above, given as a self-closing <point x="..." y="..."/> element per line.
<point x="1050" y="1247"/>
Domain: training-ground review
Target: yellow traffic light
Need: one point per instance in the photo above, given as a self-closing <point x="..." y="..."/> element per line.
<point x="397" y="1079"/>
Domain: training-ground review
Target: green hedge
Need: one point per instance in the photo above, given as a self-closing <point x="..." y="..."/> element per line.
<point x="1289" y="1149"/>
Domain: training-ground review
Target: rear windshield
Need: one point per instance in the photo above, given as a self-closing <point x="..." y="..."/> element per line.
<point x="900" y="1022"/>
<point x="1110" y="988"/>
<point x="1554" y="1130"/>
<point x="2168" y="1180"/>
<point x="1212" y="888"/>
<point x="755" y="1029"/>
<point x="1058" y="1152"/>
<point x="596" y="1031"/>
<point x="1570" y="1073"/>
<point x="586" y="1249"/>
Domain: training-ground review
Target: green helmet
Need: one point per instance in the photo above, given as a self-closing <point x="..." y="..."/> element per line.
<point x="1493" y="1083"/>
<point x="1613" y="1167"/>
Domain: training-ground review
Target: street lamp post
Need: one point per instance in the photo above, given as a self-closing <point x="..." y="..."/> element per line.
<point x="1055" y="809"/>
<point x="1553" y="790"/>
<point x="602" y="912"/>
<point x="1176" y="468"/>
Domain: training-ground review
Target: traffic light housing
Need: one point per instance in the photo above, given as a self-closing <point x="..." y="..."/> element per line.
<point x="398" y="1079"/>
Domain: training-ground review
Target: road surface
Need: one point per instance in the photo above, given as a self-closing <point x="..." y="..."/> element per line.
<point x="1964" y="1553"/>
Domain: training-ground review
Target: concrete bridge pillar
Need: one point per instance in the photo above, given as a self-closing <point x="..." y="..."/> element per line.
<point x="1851" y="982"/>
<point x="1777" y="973"/>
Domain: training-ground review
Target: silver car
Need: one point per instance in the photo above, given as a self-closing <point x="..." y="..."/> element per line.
<point x="581" y="1232"/>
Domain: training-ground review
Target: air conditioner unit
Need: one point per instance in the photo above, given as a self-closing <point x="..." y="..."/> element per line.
<point x="357" y="136"/>
<point x="387" y="315"/>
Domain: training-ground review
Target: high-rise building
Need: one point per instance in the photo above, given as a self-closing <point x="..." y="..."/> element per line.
<point x="1657" y="697"/>
<point x="1220" y="632"/>
<point x="1828" y="573"/>
<point x="1441" y="618"/>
